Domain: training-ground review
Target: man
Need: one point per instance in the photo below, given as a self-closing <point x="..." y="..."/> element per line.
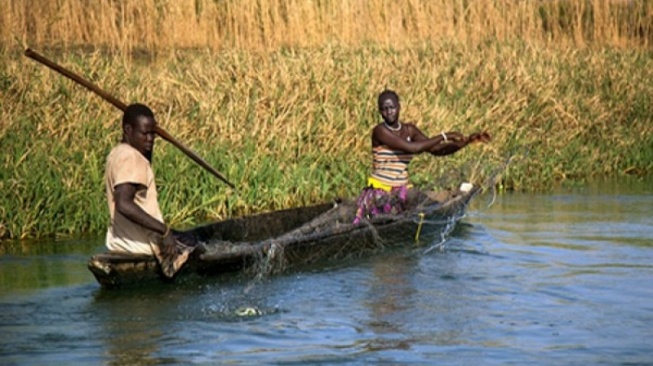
<point x="394" y="143"/>
<point x="137" y="224"/>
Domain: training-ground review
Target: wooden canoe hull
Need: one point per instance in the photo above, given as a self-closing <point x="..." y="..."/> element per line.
<point x="281" y="239"/>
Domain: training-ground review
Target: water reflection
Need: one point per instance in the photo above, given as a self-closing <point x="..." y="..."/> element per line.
<point x="28" y="265"/>
<point x="132" y="324"/>
<point x="388" y="297"/>
<point x="559" y="278"/>
<point x="415" y="301"/>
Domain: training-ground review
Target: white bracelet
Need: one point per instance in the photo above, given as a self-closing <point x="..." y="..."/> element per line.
<point x="444" y="136"/>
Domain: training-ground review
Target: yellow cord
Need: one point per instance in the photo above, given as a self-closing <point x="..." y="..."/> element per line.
<point x="419" y="226"/>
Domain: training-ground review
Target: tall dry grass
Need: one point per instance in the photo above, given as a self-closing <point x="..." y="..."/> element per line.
<point x="279" y="95"/>
<point x="291" y="127"/>
<point x="270" y="24"/>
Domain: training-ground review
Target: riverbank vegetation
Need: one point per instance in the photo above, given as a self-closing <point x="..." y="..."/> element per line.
<point x="280" y="98"/>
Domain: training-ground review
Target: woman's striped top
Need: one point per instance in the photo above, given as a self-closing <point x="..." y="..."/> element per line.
<point x="390" y="166"/>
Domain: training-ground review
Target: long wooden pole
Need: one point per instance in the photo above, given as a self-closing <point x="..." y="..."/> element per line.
<point x="122" y="106"/>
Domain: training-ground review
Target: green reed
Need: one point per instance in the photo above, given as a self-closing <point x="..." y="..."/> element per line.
<point x="291" y="127"/>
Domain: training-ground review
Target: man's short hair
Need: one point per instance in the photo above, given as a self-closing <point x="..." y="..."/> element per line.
<point x="133" y="111"/>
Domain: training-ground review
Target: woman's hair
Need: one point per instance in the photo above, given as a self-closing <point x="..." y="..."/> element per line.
<point x="388" y="94"/>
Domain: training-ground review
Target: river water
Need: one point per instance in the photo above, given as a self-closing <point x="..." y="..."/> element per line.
<point x="563" y="278"/>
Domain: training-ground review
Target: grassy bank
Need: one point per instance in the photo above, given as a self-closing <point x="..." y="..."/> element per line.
<point x="270" y="24"/>
<point x="279" y="96"/>
<point x="292" y="126"/>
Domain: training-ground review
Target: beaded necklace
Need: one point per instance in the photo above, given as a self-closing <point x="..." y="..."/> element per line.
<point x="395" y="129"/>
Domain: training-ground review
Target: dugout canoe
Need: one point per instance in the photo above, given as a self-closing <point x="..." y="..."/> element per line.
<point x="278" y="240"/>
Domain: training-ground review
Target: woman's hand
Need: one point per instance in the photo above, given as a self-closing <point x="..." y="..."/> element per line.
<point x="454" y="137"/>
<point x="456" y="141"/>
<point x="479" y="137"/>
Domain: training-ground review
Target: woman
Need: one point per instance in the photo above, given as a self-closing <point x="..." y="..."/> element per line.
<point x="394" y="144"/>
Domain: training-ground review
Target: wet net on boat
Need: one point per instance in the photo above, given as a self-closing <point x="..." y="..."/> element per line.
<point x="274" y="242"/>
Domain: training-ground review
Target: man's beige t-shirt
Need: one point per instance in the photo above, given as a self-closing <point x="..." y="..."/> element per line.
<point x="126" y="165"/>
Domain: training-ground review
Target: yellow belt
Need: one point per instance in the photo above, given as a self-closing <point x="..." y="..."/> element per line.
<point x="377" y="184"/>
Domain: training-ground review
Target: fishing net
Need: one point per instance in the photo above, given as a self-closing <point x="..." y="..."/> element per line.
<point x="275" y="241"/>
